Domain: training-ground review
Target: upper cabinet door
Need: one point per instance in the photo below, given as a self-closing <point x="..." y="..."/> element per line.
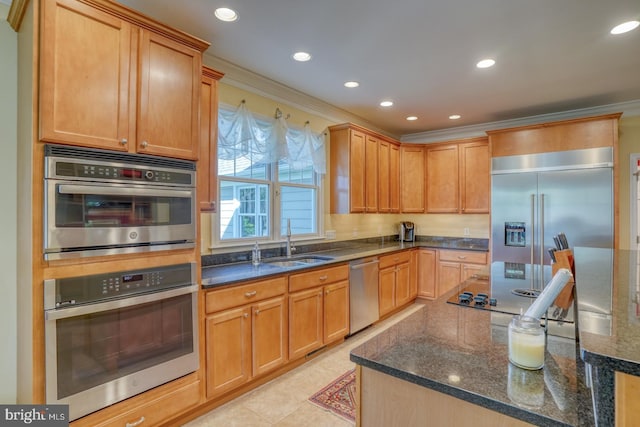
<point x="475" y="179"/>
<point x="371" y="174"/>
<point x="357" y="171"/>
<point x="84" y="76"/>
<point x="442" y="179"/>
<point x="169" y="86"/>
<point x="412" y="179"/>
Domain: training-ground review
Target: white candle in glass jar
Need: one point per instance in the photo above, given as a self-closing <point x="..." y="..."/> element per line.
<point x="526" y="342"/>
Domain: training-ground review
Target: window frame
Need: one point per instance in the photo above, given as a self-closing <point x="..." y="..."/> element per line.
<point x="274" y="185"/>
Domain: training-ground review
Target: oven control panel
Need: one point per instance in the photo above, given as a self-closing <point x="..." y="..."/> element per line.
<point x="66" y="292"/>
<point x="105" y="172"/>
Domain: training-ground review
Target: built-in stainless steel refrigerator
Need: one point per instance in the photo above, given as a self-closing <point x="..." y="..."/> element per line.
<point x="534" y="197"/>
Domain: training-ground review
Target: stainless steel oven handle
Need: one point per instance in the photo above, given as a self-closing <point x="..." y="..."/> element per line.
<point x="64" y="313"/>
<point x="119" y="191"/>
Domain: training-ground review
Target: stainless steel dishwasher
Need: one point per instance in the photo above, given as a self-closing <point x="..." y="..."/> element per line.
<point x="363" y="293"/>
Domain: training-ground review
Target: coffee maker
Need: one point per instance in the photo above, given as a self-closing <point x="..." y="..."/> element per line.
<point x="407" y="233"/>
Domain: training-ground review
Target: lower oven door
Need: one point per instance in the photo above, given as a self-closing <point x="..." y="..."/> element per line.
<point x="93" y="218"/>
<point x="100" y="354"/>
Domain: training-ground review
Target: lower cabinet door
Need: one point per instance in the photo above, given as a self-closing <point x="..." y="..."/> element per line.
<point x="403" y="284"/>
<point x="386" y="290"/>
<point x="228" y="338"/>
<point x="305" y="322"/>
<point x="269" y="329"/>
<point x="336" y="311"/>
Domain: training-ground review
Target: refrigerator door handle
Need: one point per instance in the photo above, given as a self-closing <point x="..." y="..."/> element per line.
<point x="532" y="235"/>
<point x="541" y="240"/>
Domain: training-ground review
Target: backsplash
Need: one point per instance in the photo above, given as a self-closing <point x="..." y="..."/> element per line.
<point x="364" y="226"/>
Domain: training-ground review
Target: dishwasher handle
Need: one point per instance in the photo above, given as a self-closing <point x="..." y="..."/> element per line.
<point x="364" y="264"/>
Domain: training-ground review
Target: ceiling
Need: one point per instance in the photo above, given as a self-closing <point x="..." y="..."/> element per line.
<point x="551" y="55"/>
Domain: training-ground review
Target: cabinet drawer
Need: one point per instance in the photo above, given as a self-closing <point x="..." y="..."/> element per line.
<point x="242" y="294"/>
<point x="159" y="410"/>
<point x="394" y="259"/>
<point x="318" y="277"/>
<point x="472" y="257"/>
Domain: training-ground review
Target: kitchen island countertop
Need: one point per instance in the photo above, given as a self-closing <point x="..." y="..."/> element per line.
<point x="462" y="352"/>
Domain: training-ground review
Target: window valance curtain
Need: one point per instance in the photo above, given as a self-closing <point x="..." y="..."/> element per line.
<point x="241" y="136"/>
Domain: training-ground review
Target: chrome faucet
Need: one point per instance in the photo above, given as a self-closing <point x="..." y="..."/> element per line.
<point x="289" y="247"/>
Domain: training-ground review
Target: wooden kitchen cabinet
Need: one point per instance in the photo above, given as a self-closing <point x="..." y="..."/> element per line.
<point x="364" y="171"/>
<point x="113" y="79"/>
<point x="207" y="160"/>
<point x="336" y="311"/>
<point x="394" y="281"/>
<point x="458" y="179"/>
<point x="245" y="330"/>
<point x="456" y="266"/>
<point x="155" y="410"/>
<point x="475" y="177"/>
<point x="427" y="268"/>
<point x="388" y="177"/>
<point x="627" y="392"/>
<point x="412" y="179"/>
<point x="371" y="174"/>
<point x="318" y="309"/>
<point x="305" y="322"/>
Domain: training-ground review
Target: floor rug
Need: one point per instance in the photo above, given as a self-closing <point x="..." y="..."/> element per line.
<point x="339" y="396"/>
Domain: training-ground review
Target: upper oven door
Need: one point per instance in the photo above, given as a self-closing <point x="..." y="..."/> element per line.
<point x="106" y="218"/>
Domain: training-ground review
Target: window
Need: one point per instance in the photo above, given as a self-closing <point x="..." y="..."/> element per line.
<point x="261" y="192"/>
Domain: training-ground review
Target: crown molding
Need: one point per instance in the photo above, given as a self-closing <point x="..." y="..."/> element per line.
<point x="245" y="79"/>
<point x="16" y="13"/>
<point x="629" y="109"/>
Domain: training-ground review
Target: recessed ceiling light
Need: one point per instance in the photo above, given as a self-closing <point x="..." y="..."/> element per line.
<point x="302" y="56"/>
<point x="625" y="27"/>
<point x="386" y="103"/>
<point x="226" y="14"/>
<point x="351" y="84"/>
<point x="412" y="118"/>
<point x="455" y="116"/>
<point x="486" y="63"/>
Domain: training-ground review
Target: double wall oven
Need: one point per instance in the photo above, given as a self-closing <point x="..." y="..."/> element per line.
<point x="100" y="202"/>
<point x="113" y="335"/>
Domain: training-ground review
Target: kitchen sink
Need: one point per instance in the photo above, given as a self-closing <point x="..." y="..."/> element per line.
<point x="299" y="261"/>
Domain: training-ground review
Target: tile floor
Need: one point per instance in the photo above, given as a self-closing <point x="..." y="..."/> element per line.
<point x="284" y="400"/>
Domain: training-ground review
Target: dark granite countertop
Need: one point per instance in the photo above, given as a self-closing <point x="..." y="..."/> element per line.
<point x="608" y="294"/>
<point x="228" y="269"/>
<point x="463" y="352"/>
<point x="609" y="308"/>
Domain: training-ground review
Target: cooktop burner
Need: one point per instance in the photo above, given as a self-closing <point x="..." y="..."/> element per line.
<point x="481" y="295"/>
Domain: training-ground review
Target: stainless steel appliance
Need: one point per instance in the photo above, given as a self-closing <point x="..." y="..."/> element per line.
<point x="111" y="336"/>
<point x="407" y="233"/>
<point x="534" y="197"/>
<point x="99" y="202"/>
<point x="508" y="292"/>
<point x="363" y="294"/>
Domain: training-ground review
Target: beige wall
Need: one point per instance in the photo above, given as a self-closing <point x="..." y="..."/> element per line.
<point x="629" y="143"/>
<point x="8" y="215"/>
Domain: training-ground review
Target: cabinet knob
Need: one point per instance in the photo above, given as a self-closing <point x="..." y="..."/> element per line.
<point x="135" y="423"/>
<point x="144" y="144"/>
<point x="462" y="257"/>
<point x="245" y="315"/>
<point x="257" y="312"/>
<point x="250" y="294"/>
<point x="323" y="278"/>
<point x="327" y="291"/>
<point x="123" y="141"/>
